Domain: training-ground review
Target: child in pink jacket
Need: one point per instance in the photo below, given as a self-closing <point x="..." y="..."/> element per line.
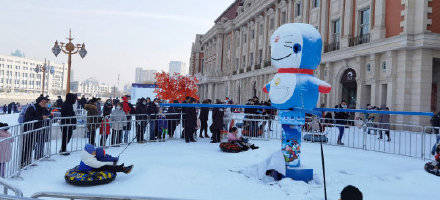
<point x="5" y="148"/>
<point x="233" y="138"/>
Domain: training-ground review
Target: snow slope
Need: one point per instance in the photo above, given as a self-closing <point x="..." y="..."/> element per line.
<point x="200" y="171"/>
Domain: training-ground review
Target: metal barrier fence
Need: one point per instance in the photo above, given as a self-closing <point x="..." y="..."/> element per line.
<point x="73" y="196"/>
<point x="30" y="142"/>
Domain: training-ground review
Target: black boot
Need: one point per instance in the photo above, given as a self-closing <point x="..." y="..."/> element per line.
<point x="253" y="147"/>
<point x="128" y="169"/>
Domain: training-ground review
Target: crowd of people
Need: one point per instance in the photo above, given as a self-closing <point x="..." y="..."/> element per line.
<point x="12" y="107"/>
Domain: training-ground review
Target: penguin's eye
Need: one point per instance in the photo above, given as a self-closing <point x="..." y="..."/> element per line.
<point x="296" y="48"/>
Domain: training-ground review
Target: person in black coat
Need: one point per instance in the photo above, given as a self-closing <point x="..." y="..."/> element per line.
<point x="39" y="114"/>
<point x="435" y="122"/>
<point x="204" y="112"/>
<point x="59" y="102"/>
<point x="68" y="124"/>
<point x="190" y="119"/>
<point x="141" y="119"/>
<point x="9" y="108"/>
<point x="173" y="116"/>
<point x="341" y="119"/>
<point x="108" y="106"/>
<point x="217" y="122"/>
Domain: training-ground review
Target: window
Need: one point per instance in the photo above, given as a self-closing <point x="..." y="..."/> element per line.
<point x="260" y="30"/>
<point x="244" y="38"/>
<point x="298" y="9"/>
<point x="243" y="62"/>
<point x="364" y="22"/>
<point x="272" y="23"/>
<point x="315" y="3"/>
<point x="368" y="67"/>
<point x="283" y="17"/>
<point x="251" y="59"/>
<point x="252" y="34"/>
<point x="260" y="56"/>
<point x="384" y="66"/>
<point x="337" y="27"/>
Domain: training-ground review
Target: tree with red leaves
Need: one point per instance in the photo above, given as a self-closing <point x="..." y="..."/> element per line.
<point x="175" y="87"/>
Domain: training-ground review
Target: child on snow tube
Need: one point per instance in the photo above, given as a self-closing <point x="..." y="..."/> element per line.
<point x="236" y="144"/>
<point x="95" y="168"/>
<point x="434" y="166"/>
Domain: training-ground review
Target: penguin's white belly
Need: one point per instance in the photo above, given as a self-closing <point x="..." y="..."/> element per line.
<point x="282" y="87"/>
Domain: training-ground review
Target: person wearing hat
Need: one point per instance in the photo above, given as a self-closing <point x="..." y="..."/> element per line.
<point x="95" y="159"/>
<point x="93" y="119"/>
<point x="37" y="113"/>
<point x="68" y="124"/>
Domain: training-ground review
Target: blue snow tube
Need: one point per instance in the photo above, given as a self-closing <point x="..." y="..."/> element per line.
<point x="430" y="168"/>
<point x="315" y="138"/>
<point x="76" y="177"/>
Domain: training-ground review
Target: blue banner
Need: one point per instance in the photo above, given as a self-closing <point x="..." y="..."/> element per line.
<point x="316" y="111"/>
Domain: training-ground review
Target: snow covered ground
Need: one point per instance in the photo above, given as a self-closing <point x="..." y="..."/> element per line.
<point x="201" y="171"/>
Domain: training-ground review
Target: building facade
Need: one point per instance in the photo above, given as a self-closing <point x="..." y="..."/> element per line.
<point x="92" y="88"/>
<point x="143" y="75"/>
<point x="176" y="67"/>
<point x="19" y="80"/>
<point x="378" y="52"/>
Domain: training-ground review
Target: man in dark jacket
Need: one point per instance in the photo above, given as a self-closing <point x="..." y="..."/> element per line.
<point x="37" y="113"/>
<point x="217" y="122"/>
<point x="341" y="119"/>
<point x="141" y="119"/>
<point x="59" y="102"/>
<point x="435" y="122"/>
<point x="173" y="116"/>
<point x="82" y="102"/>
<point x="68" y="124"/>
<point x="108" y="106"/>
<point x="151" y="113"/>
<point x="190" y="119"/>
<point x="204" y="112"/>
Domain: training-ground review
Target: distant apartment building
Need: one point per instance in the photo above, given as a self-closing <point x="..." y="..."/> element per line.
<point x="144" y="75"/>
<point x="177" y="67"/>
<point x="20" y="81"/>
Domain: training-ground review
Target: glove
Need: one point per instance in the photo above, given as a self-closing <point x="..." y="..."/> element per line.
<point x="116" y="161"/>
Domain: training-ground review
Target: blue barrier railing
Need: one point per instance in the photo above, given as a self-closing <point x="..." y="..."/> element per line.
<point x="316" y="111"/>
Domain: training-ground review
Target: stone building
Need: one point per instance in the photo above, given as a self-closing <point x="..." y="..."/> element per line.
<point x="374" y="51"/>
<point x="21" y="82"/>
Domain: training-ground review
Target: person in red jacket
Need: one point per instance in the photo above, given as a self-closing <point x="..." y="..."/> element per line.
<point x="128" y="108"/>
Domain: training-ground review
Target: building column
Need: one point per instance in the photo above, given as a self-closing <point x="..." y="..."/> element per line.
<point x="266" y="51"/>
<point x="378" y="30"/>
<point x="325" y="21"/>
<point x="348" y="19"/>
<point x="277" y="15"/>
<point x="290" y="11"/>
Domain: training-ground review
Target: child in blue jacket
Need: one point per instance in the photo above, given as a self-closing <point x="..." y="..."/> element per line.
<point x="95" y="159"/>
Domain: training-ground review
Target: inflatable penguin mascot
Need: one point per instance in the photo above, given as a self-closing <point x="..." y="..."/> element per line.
<point x="296" y="53"/>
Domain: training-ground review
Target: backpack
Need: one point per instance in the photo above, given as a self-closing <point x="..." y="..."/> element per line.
<point x="23" y="112"/>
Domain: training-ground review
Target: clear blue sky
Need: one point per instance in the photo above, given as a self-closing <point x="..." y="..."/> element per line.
<point x="119" y="35"/>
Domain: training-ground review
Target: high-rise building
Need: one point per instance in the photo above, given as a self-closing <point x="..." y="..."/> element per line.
<point x="19" y="80"/>
<point x="378" y="52"/>
<point x="143" y="75"/>
<point x="177" y="67"/>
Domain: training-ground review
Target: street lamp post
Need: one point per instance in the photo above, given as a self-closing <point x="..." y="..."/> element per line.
<point x="44" y="68"/>
<point x="69" y="49"/>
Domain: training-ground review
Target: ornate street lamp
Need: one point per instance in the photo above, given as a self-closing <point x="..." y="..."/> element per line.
<point x="44" y="68"/>
<point x="69" y="49"/>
